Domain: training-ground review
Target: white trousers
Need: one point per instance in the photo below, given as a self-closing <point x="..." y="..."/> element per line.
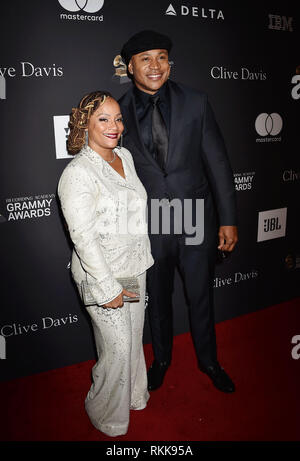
<point x="119" y="376"/>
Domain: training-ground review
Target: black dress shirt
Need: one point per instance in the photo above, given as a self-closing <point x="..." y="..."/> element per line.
<point x="143" y="106"/>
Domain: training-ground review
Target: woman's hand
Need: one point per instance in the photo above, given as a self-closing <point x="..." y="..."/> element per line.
<point x="118" y="301"/>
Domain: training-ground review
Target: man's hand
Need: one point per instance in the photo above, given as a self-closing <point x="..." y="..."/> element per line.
<point x="228" y="237"/>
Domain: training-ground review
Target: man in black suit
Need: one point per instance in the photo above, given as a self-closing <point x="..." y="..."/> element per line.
<point x="179" y="153"/>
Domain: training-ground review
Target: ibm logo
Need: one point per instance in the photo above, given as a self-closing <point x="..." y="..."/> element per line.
<point x="2" y="347"/>
<point x="280" y="22"/>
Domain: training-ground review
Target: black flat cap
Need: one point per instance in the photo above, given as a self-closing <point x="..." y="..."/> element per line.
<point x="144" y="41"/>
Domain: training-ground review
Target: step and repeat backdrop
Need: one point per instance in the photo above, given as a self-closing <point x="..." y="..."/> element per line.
<point x="245" y="56"/>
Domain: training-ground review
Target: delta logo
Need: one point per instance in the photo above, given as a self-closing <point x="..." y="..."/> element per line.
<point x="195" y="11"/>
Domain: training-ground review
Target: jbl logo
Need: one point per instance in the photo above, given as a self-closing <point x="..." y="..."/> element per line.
<point x="271" y="224"/>
<point x="2" y="347"/>
<point x="280" y="22"/>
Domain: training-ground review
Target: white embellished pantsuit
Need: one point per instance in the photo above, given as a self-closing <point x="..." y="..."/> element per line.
<point x="106" y="218"/>
<point x="119" y="376"/>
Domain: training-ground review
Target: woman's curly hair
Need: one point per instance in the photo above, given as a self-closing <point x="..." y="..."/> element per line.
<point x="79" y="119"/>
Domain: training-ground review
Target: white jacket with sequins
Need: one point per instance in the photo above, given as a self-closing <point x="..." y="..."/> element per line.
<point x="106" y="218"/>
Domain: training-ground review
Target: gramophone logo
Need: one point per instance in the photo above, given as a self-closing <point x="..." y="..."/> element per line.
<point x="289" y="262"/>
<point x="120" y="70"/>
<point x="292" y="261"/>
<point x="61" y="133"/>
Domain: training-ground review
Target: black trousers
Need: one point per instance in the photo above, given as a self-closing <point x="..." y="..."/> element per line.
<point x="196" y="265"/>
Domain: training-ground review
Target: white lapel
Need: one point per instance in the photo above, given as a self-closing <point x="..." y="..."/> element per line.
<point x="108" y="171"/>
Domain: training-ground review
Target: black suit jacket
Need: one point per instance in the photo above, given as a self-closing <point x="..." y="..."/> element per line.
<point x="197" y="164"/>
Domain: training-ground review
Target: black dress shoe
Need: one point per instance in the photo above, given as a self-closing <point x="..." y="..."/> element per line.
<point x="219" y="377"/>
<point x="156" y="374"/>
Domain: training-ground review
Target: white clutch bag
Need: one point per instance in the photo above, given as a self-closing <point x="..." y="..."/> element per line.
<point x="128" y="283"/>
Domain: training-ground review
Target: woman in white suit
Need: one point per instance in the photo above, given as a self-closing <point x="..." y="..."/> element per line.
<point x="104" y="203"/>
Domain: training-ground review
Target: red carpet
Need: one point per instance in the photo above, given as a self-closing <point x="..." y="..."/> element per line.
<point x="256" y="351"/>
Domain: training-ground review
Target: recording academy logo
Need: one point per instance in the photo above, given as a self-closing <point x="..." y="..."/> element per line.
<point x="296" y="82"/>
<point x="33" y="207"/>
<point x="277" y="22"/>
<point x="61" y="132"/>
<point x="195" y="11"/>
<point x="86" y="6"/>
<point x="268" y="124"/>
<point x="271" y="224"/>
<point x="243" y="181"/>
